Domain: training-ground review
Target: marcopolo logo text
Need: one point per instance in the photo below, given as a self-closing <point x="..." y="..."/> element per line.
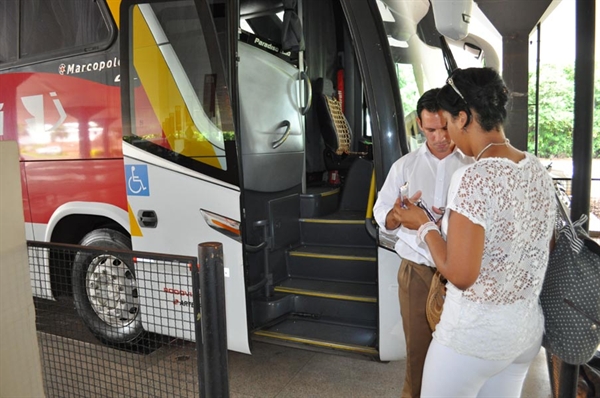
<point x="97" y="66"/>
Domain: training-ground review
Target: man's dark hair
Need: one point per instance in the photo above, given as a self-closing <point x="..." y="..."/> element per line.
<point x="428" y="101"/>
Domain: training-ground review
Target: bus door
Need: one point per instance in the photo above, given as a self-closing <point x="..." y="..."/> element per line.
<point x="180" y="156"/>
<point x="312" y="268"/>
<point x="273" y="95"/>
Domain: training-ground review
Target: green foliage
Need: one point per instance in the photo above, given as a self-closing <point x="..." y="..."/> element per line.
<point x="408" y="88"/>
<point x="556" y="112"/>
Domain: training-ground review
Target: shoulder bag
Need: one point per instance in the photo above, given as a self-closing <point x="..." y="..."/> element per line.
<point x="570" y="296"/>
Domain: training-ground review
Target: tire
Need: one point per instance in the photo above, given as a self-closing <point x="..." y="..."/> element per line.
<point x="105" y="289"/>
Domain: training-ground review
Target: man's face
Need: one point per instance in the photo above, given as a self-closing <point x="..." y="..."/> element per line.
<point x="433" y="125"/>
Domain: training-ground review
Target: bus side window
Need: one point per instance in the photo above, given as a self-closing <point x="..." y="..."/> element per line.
<point x="54" y="26"/>
<point x="8" y="31"/>
<point x="50" y="28"/>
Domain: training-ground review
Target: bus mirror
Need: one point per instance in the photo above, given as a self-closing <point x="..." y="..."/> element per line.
<point x="452" y="17"/>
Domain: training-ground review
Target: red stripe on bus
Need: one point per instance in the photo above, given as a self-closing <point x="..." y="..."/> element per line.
<point x="54" y="183"/>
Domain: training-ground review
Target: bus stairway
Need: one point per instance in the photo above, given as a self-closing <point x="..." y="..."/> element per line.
<point x="331" y="288"/>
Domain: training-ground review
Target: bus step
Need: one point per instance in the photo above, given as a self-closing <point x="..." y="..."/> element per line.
<point x="366" y="293"/>
<point x="349" y="264"/>
<point x="322" y="336"/>
<point x="319" y="201"/>
<point x="342" y="228"/>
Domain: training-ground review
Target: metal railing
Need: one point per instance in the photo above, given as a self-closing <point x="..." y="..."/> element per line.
<point x="115" y="323"/>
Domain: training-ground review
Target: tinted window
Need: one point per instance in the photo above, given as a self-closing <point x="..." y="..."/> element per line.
<point x="50" y="26"/>
<point x="8" y="30"/>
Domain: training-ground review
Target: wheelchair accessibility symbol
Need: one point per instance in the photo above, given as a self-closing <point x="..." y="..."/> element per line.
<point x="137" y="180"/>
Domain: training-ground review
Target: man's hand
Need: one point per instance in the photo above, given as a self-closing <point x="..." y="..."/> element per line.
<point x="416" y="196"/>
<point x="394" y="216"/>
<point x="411" y="216"/>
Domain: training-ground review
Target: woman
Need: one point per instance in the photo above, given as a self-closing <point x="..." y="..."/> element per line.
<point x="498" y="225"/>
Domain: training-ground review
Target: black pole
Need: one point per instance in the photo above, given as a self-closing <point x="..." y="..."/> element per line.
<point x="585" y="17"/>
<point x="563" y="376"/>
<point x="214" y="326"/>
<point x="198" y="327"/>
<point x="537" y="89"/>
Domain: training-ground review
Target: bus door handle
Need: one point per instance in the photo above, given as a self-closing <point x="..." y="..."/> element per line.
<point x="288" y="126"/>
<point x="308" y="92"/>
<point x="147" y="218"/>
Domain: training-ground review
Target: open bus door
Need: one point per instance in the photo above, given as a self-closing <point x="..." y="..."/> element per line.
<point x="216" y="133"/>
<point x="314" y="281"/>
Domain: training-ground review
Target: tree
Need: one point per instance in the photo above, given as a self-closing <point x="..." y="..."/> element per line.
<point x="556" y="112"/>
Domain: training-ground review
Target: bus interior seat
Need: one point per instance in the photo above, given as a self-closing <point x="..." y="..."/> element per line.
<point x="334" y="127"/>
<point x="355" y="195"/>
<point x="354" y="169"/>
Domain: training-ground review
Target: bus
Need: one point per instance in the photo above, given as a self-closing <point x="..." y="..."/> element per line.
<point x="266" y="125"/>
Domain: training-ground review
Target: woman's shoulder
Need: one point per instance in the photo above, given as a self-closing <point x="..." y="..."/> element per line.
<point x="476" y="169"/>
<point x="538" y="168"/>
<point x="459" y="174"/>
<point x="468" y="181"/>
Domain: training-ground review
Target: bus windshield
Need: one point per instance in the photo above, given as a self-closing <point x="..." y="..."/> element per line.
<point x="188" y="93"/>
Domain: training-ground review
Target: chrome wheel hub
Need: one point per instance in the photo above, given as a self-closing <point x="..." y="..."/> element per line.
<point x="112" y="291"/>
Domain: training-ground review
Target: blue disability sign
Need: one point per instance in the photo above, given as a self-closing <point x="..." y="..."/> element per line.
<point x="136" y="176"/>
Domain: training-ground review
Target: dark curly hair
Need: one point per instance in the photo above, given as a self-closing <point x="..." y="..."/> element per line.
<point x="483" y="91"/>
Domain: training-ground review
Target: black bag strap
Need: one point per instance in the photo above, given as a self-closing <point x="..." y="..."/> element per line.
<point x="570" y="227"/>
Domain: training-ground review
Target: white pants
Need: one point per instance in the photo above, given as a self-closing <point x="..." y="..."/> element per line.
<point x="450" y="374"/>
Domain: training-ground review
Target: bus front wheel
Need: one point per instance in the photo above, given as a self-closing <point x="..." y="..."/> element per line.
<point x="105" y="290"/>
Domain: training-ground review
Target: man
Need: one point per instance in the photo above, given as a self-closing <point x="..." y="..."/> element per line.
<point x="428" y="171"/>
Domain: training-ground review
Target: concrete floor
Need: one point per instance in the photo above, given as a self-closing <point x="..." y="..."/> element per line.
<point x="75" y="364"/>
<point x="75" y="368"/>
<point x="275" y="371"/>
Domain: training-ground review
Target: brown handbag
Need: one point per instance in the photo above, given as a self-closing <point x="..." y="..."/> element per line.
<point x="435" y="299"/>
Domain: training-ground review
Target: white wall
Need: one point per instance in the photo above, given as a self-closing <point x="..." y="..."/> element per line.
<point x="20" y="369"/>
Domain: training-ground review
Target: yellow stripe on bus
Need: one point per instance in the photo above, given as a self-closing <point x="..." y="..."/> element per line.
<point x="320" y="343"/>
<point x="303" y="292"/>
<point x="114" y="7"/>
<point x="332" y="256"/>
<point x="134" y="227"/>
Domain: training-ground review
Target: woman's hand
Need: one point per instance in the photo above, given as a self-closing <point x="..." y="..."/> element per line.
<point x="411" y="216"/>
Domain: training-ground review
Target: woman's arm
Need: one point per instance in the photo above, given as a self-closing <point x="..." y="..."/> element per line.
<point x="458" y="259"/>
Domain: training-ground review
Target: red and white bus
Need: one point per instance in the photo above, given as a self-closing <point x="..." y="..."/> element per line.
<point x="158" y="125"/>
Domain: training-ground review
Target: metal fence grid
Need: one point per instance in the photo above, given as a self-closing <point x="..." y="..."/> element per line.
<point x="83" y="356"/>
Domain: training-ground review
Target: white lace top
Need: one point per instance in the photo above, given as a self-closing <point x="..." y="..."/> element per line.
<point x="499" y="317"/>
